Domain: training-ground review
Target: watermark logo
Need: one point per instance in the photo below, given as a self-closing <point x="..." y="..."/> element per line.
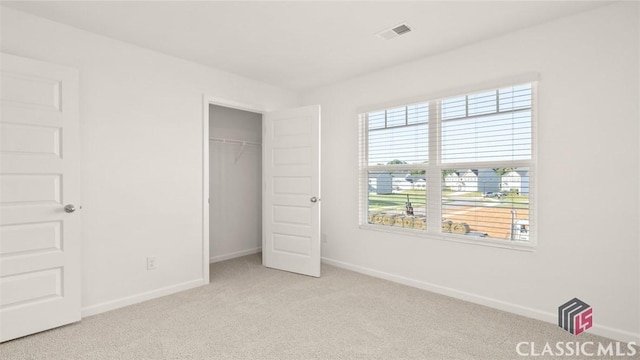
<point x="576" y="348"/>
<point x="575" y="316"/>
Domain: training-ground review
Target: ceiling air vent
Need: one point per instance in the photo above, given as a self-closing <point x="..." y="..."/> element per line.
<point x="394" y="32"/>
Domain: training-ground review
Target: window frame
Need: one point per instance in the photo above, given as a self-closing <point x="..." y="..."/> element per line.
<point x="433" y="169"/>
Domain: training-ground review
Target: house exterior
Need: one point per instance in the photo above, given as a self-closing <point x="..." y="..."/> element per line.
<point x="488" y="180"/>
<point x="516" y="180"/>
<point x="384" y="182"/>
<point x="452" y="181"/>
<point x="468" y="180"/>
<point x="473" y="180"/>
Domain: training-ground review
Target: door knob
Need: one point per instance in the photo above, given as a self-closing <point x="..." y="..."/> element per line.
<point x="314" y="199"/>
<point x="70" y="208"/>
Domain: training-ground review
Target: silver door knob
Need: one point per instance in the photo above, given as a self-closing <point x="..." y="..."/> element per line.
<point x="70" y="208"/>
<point x="314" y="199"/>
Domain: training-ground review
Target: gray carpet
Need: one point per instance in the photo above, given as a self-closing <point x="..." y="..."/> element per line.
<point x="251" y="312"/>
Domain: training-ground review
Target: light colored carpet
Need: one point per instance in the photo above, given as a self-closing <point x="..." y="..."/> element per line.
<point x="251" y="312"/>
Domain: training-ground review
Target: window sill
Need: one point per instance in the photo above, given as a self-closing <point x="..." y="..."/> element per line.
<point x="528" y="246"/>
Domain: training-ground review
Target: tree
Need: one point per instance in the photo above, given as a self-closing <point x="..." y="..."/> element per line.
<point x="502" y="171"/>
<point x="446" y="172"/>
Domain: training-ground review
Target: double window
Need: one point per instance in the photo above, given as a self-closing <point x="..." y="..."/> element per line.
<point x="460" y="166"/>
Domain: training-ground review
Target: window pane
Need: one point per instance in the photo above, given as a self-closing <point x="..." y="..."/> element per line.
<point x="482" y="103"/>
<point x="398" y="145"/>
<point x="497" y="137"/>
<point x="376" y="120"/>
<point x="397" y="198"/>
<point x="454" y="107"/>
<point x="476" y="133"/>
<point x="486" y="202"/>
<point x="417" y="113"/>
<point x="397" y="117"/>
<point x="515" y="97"/>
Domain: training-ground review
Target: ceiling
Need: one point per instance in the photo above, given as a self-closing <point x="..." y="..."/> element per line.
<point x="300" y="45"/>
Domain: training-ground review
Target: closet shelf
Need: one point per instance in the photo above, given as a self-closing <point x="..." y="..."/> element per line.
<point x="236" y="142"/>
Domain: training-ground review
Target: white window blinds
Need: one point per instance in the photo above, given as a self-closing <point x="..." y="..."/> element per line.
<point x="398" y="135"/>
<point x="482" y="154"/>
<point x="488" y="126"/>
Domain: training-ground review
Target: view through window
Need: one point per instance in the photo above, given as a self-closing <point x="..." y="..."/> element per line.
<point x="459" y="165"/>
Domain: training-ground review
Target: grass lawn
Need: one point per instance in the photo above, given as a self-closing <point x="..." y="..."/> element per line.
<point x="397" y="201"/>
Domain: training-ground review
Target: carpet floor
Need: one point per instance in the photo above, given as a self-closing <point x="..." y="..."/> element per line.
<point x="252" y="312"/>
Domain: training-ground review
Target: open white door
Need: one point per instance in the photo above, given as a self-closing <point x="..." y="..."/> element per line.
<point x="291" y="193"/>
<point x="39" y="175"/>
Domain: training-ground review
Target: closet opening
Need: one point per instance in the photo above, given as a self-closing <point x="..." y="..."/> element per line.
<point x="235" y="178"/>
<point x="261" y="185"/>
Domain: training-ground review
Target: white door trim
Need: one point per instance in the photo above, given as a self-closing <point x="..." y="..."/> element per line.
<point x="206" y="101"/>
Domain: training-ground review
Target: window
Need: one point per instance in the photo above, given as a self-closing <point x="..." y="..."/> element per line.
<point x="460" y="166"/>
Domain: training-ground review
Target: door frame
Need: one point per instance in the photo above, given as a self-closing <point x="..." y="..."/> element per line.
<point x="206" y="101"/>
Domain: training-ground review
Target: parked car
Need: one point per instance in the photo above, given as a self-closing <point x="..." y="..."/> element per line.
<point x="491" y="194"/>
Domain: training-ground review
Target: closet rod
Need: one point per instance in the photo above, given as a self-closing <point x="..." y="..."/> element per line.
<point x="234" y="141"/>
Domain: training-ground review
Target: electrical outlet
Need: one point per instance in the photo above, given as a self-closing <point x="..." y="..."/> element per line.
<point x="151" y="263"/>
<point x="324" y="238"/>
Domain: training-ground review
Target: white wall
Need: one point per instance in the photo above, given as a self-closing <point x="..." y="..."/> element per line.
<point x="588" y="243"/>
<point x="235" y="217"/>
<point x="141" y="115"/>
<point x="142" y="134"/>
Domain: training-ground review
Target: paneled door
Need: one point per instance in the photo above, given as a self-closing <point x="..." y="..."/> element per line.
<point x="291" y="192"/>
<point x="39" y="197"/>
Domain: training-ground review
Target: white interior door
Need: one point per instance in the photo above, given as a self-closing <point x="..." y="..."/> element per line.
<point x="291" y="194"/>
<point x="40" y="241"/>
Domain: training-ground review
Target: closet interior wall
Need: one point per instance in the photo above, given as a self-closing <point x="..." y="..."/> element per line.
<point x="235" y="175"/>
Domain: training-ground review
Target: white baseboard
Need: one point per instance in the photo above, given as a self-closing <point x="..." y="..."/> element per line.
<point x="134" y="299"/>
<point x="234" y="255"/>
<point x="605" y="331"/>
